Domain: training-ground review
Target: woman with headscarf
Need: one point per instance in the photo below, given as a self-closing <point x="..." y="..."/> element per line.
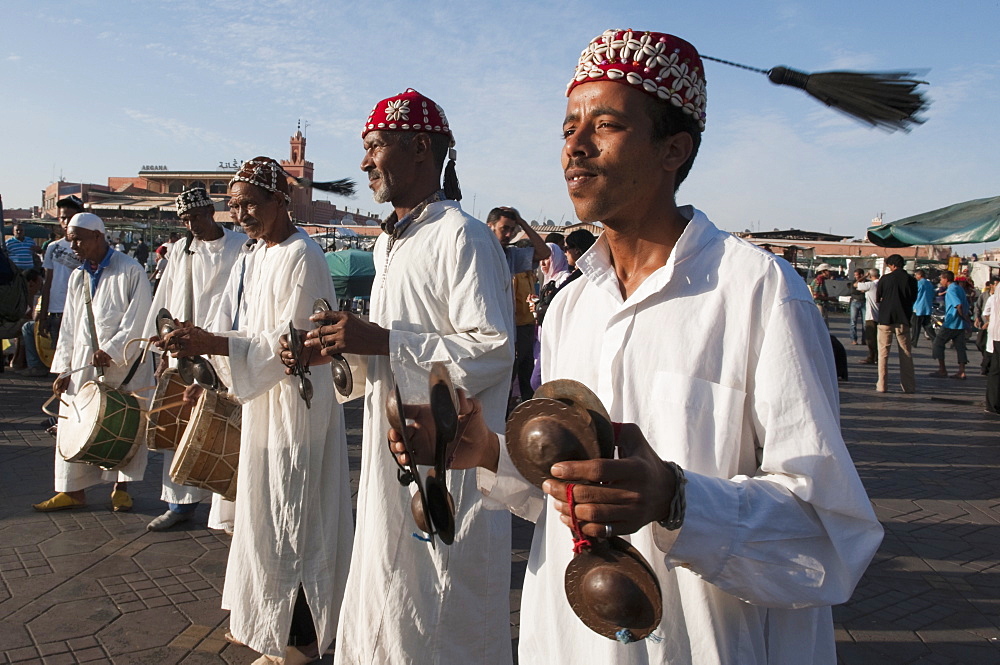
<point x="555" y="275"/>
<point x="555" y="268"/>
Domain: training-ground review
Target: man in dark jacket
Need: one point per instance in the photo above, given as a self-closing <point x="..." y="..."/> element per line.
<point x="895" y="294"/>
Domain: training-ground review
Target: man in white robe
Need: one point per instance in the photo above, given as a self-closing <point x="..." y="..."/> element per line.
<point x="711" y="352"/>
<point x="441" y="293"/>
<point x="290" y="555"/>
<point x="194" y="279"/>
<point x="119" y="296"/>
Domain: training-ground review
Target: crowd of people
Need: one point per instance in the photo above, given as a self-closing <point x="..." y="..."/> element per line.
<point x="46" y="269"/>
<point x="731" y="477"/>
<point x="950" y="311"/>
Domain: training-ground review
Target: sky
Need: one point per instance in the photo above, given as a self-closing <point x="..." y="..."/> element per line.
<point x="98" y="88"/>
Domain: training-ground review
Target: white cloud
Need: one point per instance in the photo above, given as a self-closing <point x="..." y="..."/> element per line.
<point x="186" y="134"/>
<point x="851" y="61"/>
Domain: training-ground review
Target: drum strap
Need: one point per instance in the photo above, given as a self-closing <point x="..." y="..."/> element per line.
<point x="189" y="308"/>
<point x="91" y="322"/>
<point x="132" y="370"/>
<point x="239" y="294"/>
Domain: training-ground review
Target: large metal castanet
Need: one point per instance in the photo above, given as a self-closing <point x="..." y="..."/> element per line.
<point x="609" y="584"/>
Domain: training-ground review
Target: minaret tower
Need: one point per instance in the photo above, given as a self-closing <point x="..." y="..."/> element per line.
<point x="297" y="166"/>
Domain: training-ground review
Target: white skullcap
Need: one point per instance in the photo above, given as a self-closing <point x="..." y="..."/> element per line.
<point x="87" y="220"/>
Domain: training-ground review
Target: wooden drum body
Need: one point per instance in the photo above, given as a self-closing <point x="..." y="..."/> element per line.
<point x="103" y="426"/>
<point x="209" y="450"/>
<point x="168" y="414"/>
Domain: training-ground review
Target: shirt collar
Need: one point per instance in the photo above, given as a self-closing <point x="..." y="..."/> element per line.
<point x="95" y="272"/>
<point x="397" y="227"/>
<point x="596" y="265"/>
<point x="86" y="265"/>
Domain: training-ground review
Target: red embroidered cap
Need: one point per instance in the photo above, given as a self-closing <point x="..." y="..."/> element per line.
<point x="408" y="111"/>
<point x="661" y="65"/>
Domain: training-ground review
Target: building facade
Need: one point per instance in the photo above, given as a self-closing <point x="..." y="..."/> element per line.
<point x="148" y="197"/>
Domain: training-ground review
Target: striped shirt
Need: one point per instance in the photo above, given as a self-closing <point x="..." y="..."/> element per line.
<point x="20" y="252"/>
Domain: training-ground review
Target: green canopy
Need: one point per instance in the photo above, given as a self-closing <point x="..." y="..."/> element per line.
<point x="972" y="221"/>
<point x="353" y="272"/>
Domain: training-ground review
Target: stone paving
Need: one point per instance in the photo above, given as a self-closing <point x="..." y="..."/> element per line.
<point x="92" y="586"/>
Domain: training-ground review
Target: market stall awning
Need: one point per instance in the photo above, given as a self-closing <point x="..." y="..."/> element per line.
<point x="353" y="272"/>
<point x="972" y="221"/>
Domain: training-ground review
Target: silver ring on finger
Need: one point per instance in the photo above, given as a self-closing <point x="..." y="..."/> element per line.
<point x="608" y="531"/>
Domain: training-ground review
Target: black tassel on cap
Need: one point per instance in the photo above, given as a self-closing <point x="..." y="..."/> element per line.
<point x="451" y="187"/>
<point x="888" y="100"/>
<point x="342" y="187"/>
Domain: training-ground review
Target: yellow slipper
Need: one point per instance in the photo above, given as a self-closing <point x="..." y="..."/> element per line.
<point x="121" y="501"/>
<point x="60" y="501"/>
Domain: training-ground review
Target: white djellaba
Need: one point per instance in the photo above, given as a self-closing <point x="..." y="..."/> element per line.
<point x="120" y="304"/>
<point x="444" y="292"/>
<point x="293" y="502"/>
<point x="777" y="528"/>
<point x="211" y="263"/>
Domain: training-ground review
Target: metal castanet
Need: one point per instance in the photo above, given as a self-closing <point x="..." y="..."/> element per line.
<point x="575" y="393"/>
<point x="394" y="413"/>
<point x="444" y="409"/>
<point x="614" y="591"/>
<point x="299" y="369"/>
<point x="192" y="369"/>
<point x="343" y="380"/>
<point x="609" y="584"/>
<point x="542" y="432"/>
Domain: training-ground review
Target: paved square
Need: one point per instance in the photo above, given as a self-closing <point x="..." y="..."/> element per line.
<point x="92" y="586"/>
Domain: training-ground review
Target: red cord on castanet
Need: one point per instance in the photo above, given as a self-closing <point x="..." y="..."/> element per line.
<point x="580" y="541"/>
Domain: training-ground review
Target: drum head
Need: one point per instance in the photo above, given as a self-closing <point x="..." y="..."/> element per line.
<point x="82" y="420"/>
<point x="612" y="589"/>
<point x="541" y="432"/>
<point x="200" y="413"/>
<point x="43" y="345"/>
<point x="194" y="434"/>
<point x="575" y="393"/>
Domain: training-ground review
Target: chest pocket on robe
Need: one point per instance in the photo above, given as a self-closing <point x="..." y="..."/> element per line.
<point x="698" y="423"/>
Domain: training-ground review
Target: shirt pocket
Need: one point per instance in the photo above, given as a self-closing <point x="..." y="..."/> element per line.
<point x="698" y="423"/>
